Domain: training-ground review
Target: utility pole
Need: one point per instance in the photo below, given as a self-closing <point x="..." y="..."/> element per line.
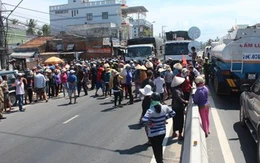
<point x="4" y="55"/>
<point x="2" y="34"/>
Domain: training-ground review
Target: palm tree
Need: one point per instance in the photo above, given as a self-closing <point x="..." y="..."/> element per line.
<point x="46" y="30"/>
<point x="39" y="33"/>
<point x="31" y="24"/>
<point x="14" y="21"/>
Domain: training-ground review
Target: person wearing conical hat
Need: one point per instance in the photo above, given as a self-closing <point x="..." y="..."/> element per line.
<point x="107" y="75"/>
<point x="178" y="105"/>
<point x="177" y="69"/>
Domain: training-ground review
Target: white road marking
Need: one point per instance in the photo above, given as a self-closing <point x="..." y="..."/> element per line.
<point x="223" y="141"/>
<point x="167" y="137"/>
<point x="70" y="119"/>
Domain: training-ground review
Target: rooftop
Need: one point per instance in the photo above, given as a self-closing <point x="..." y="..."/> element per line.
<point x="135" y="9"/>
<point x="36" y="42"/>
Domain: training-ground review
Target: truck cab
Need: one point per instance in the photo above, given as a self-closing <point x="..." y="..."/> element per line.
<point x="176" y="49"/>
<point x="139" y="52"/>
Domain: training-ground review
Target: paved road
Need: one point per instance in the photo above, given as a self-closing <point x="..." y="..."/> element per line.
<point x="228" y="142"/>
<point x="90" y="131"/>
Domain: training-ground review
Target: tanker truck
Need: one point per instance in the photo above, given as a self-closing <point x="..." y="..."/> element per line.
<point x="236" y="59"/>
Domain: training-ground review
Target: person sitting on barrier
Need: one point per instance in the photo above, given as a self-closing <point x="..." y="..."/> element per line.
<point x="201" y="99"/>
<point x="155" y="118"/>
<point x="178" y="105"/>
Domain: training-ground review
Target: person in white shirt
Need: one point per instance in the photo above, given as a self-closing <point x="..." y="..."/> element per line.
<point x="39" y="85"/>
<point x="159" y="85"/>
<point x="19" y="91"/>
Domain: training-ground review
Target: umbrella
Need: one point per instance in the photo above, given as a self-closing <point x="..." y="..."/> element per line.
<point x="53" y="60"/>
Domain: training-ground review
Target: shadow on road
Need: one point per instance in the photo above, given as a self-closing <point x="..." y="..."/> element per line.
<point x="10" y="112"/>
<point x="67" y="104"/>
<point x="135" y="126"/>
<point x="134" y="150"/>
<point x="172" y="141"/>
<point x="224" y="102"/>
<point x="106" y="103"/>
<point x="108" y="109"/>
<point x="248" y="145"/>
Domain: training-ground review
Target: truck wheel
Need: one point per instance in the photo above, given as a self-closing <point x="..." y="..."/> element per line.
<point x="13" y="99"/>
<point x="242" y="116"/>
<point x="258" y="146"/>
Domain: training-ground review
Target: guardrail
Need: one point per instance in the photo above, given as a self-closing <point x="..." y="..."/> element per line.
<point x="194" y="148"/>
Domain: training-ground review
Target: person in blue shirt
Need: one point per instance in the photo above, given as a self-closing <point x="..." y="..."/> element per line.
<point x="72" y="81"/>
<point x="129" y="78"/>
<point x="155" y="118"/>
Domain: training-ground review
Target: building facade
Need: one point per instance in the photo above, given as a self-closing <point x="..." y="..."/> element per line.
<point x="79" y="12"/>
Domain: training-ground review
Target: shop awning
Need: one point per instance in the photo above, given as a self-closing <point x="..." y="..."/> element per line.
<point x="22" y="55"/>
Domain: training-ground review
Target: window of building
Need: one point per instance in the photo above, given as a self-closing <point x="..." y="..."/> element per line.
<point x="104" y="15"/>
<point x="77" y="12"/>
<point x="62" y="12"/>
<point x="71" y="13"/>
<point x="89" y="16"/>
<point x="74" y="0"/>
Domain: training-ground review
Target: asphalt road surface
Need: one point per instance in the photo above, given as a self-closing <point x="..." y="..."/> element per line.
<point x="228" y="141"/>
<point x="91" y="131"/>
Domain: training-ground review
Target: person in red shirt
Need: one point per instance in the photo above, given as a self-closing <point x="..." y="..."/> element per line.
<point x="100" y="71"/>
<point x="186" y="86"/>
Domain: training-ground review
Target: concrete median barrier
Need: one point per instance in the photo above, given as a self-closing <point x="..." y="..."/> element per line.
<point x="194" y="148"/>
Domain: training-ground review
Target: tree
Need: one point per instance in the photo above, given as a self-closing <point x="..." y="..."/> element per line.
<point x="46" y="30"/>
<point x="14" y="21"/>
<point x="31" y="25"/>
<point x="39" y="33"/>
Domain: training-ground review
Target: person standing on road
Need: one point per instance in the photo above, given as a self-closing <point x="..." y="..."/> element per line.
<point x="1" y="100"/>
<point x="5" y="89"/>
<point x="72" y="82"/>
<point x="155" y="118"/>
<point x="128" y="84"/>
<point x="159" y="83"/>
<point x="64" y="81"/>
<point x="117" y="89"/>
<point x="20" y="91"/>
<point x="39" y="85"/>
<point x="201" y="99"/>
<point x="178" y="105"/>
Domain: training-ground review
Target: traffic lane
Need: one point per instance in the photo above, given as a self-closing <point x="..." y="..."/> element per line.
<point x="51" y="143"/>
<point x="239" y="139"/>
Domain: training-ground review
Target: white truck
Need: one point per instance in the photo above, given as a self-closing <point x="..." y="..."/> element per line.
<point x="143" y="48"/>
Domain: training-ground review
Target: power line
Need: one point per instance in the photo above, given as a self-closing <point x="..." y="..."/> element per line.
<point x="36" y="10"/>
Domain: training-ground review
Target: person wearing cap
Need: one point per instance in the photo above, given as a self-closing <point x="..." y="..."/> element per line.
<point x="116" y="87"/>
<point x="5" y="89"/>
<point x="155" y="118"/>
<point x="93" y="75"/>
<point x="29" y="85"/>
<point x="206" y="70"/>
<point x="80" y="78"/>
<point x="1" y="100"/>
<point x="39" y="85"/>
<point x="178" y="105"/>
<point x="193" y="73"/>
<point x="168" y="79"/>
<point x="72" y="86"/>
<point x="128" y="84"/>
<point x="201" y="99"/>
<point x="20" y="91"/>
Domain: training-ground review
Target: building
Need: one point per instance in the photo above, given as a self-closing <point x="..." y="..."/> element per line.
<point x="26" y="55"/>
<point x="79" y="12"/>
<point x="99" y="21"/>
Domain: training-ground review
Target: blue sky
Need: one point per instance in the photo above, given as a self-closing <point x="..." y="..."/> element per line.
<point x="213" y="17"/>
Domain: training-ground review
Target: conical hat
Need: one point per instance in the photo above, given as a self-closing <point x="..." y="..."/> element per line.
<point x="177" y="66"/>
<point x="147" y="90"/>
<point x="142" y="68"/>
<point x="149" y="64"/>
<point x="176" y="81"/>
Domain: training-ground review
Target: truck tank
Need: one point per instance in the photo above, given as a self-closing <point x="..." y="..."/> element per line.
<point x="236" y="59"/>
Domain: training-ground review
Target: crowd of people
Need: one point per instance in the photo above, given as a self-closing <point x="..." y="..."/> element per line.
<point x="150" y="80"/>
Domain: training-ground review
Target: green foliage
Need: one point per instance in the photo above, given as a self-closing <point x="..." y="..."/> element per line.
<point x="46" y="30"/>
<point x="31" y="26"/>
